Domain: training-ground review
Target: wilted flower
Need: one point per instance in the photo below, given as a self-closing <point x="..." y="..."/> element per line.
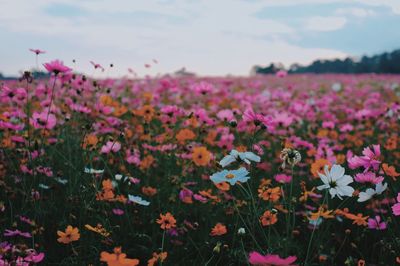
<point x="289" y="156"/>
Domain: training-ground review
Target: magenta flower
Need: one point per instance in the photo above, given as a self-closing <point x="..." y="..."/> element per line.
<point x="96" y="66"/>
<point x="368" y="177"/>
<point x="111" y="146"/>
<point x="9" y="232"/>
<point x="375" y="223"/>
<point x="37" y="51"/>
<point x="396" y="207"/>
<point x="56" y="67"/>
<point x="370" y="159"/>
<point x="282" y="178"/>
<point x="118" y="211"/>
<point x="185" y="195"/>
<point x="281" y="74"/>
<point x="34" y="257"/>
<point x="42" y="120"/>
<point x="256" y="258"/>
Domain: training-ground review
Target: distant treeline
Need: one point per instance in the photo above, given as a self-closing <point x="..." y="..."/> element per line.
<point x="382" y="63"/>
<point x="35" y="74"/>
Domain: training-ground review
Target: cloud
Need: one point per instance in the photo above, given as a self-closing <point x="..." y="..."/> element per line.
<point x="356" y="12"/>
<point x="325" y="23"/>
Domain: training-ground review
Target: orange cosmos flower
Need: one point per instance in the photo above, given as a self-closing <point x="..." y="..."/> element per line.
<point x="224" y="186"/>
<point x="218" y="230"/>
<point x="272" y="194"/>
<point x="201" y="156"/>
<point x="318" y="166"/>
<point x="358" y="219"/>
<point x="117" y="258"/>
<point x="390" y="171"/>
<point x="147" y="112"/>
<point x="149" y="191"/>
<point x="268" y="218"/>
<point x="184" y="135"/>
<point x="321" y="213"/>
<point x="71" y="234"/>
<point x="157" y="258"/>
<point x="166" y="221"/>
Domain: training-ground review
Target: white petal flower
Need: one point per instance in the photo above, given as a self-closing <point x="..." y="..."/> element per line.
<point x="234" y="155"/>
<point x="369" y="193"/>
<point x="138" y="200"/>
<point x="336" y="181"/>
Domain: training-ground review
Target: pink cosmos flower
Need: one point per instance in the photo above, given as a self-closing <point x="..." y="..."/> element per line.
<point x="37" y="51"/>
<point x="200" y="198"/>
<point x="56" y="67"/>
<point x="370" y="159"/>
<point x="282" y="178"/>
<point x="256" y="258"/>
<point x="111" y="146"/>
<point x="9" y="232"/>
<point x="281" y="74"/>
<point x="185" y="195"/>
<point x="375" y="223"/>
<point x="396" y="207"/>
<point x="368" y="177"/>
<point x="34" y="257"/>
<point x="118" y="211"/>
<point x="96" y="66"/>
<point x="202" y="87"/>
<point x="42" y="120"/>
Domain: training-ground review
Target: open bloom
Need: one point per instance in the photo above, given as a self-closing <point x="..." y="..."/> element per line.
<point x="336" y="181"/>
<point x="117" y="258"/>
<point x="370" y="192"/>
<point x="368" y="177"/>
<point x="71" y="234"/>
<point x="56" y="67"/>
<point x="375" y="223"/>
<point x="43" y="120"/>
<point x="243" y="156"/>
<point x="37" y="51"/>
<point x="166" y="221"/>
<point x="138" y="200"/>
<point x="111" y="146"/>
<point x="231" y="176"/>
<point x="256" y="258"/>
<point x="368" y="160"/>
<point x="396" y="207"/>
<point x="218" y="230"/>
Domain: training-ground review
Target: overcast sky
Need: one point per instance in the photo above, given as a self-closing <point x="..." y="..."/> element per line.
<point x="214" y="37"/>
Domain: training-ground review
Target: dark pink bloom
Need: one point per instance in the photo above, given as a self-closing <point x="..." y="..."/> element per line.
<point x="375" y="223"/>
<point x="34" y="257"/>
<point x="369" y="159"/>
<point x="96" y="66"/>
<point x="396" y="207"/>
<point x="118" y="211"/>
<point x="256" y="258"/>
<point x="9" y="232"/>
<point x="42" y="120"/>
<point x="56" y="67"/>
<point x="368" y="177"/>
<point x="185" y="195"/>
<point x="282" y="178"/>
<point x="37" y="51"/>
<point x="111" y="146"/>
<point x="281" y="74"/>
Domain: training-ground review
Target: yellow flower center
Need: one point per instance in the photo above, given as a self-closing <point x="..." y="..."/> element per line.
<point x="229" y="176"/>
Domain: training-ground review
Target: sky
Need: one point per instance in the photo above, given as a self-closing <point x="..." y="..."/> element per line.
<point x="214" y="37"/>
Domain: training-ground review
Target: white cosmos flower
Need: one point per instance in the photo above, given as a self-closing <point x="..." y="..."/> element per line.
<point x="244" y="156"/>
<point x="93" y="171"/>
<point x="336" y="181"/>
<point x="370" y="192"/>
<point x="138" y="200"/>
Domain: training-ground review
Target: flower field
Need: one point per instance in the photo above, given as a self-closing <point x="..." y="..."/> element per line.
<point x="271" y="170"/>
